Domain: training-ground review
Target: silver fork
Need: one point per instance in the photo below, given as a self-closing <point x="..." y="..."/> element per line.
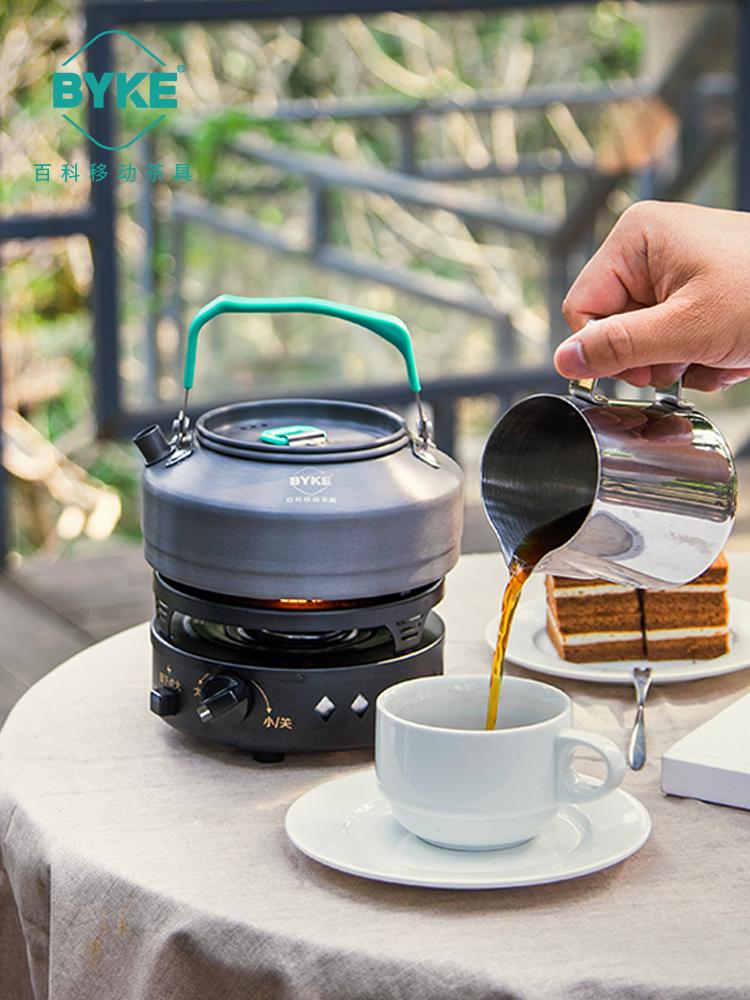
<point x="637" y="745"/>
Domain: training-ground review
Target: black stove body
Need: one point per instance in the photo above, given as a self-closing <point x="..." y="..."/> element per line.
<point x="282" y="677"/>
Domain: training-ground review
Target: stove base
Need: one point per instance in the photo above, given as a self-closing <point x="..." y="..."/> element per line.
<point x="274" y="711"/>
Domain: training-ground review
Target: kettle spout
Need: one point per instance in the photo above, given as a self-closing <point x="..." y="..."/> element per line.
<point x="152" y="444"/>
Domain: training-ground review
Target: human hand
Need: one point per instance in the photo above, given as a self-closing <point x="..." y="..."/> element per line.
<point x="669" y="296"/>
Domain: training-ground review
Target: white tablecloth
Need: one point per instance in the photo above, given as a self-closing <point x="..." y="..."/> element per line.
<point x="145" y="866"/>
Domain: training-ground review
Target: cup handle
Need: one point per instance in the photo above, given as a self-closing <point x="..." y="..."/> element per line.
<point x="572" y="786"/>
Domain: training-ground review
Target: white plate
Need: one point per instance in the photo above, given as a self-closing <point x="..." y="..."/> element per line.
<point x="531" y="647"/>
<point x="347" y="825"/>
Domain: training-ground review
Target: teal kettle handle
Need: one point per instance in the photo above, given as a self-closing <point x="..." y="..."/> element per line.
<point x="388" y="327"/>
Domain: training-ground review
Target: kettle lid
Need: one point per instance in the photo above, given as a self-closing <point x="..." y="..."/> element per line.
<point x="282" y="430"/>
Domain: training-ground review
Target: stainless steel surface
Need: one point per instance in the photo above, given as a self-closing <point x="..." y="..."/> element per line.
<point x="637" y="743"/>
<point x="648" y="490"/>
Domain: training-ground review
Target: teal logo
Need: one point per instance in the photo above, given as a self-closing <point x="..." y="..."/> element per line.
<point x="159" y="89"/>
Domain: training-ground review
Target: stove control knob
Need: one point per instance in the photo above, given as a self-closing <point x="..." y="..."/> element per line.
<point x="224" y="697"/>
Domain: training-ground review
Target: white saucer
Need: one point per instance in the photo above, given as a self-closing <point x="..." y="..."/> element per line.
<point x="531" y="647"/>
<point x="347" y="825"/>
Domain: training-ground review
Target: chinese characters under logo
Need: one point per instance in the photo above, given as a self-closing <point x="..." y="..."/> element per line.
<point x="125" y="172"/>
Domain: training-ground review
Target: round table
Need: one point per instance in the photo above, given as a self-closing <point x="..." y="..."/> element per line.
<point x="143" y="864"/>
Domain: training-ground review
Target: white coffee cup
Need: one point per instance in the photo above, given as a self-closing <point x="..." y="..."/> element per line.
<point x="455" y="784"/>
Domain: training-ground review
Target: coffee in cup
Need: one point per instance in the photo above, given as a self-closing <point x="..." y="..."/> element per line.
<point x="456" y="784"/>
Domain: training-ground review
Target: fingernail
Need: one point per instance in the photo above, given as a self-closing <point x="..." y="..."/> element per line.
<point x="570" y="360"/>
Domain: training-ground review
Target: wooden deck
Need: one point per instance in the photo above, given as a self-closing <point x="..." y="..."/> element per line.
<point x="51" y="610"/>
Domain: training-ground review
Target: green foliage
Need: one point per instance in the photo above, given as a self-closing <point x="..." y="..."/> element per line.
<point x="17" y="10"/>
<point x="207" y="139"/>
<point x="618" y="41"/>
<point x="311" y="75"/>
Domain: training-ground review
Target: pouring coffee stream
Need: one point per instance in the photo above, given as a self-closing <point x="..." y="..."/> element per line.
<point x="537" y="544"/>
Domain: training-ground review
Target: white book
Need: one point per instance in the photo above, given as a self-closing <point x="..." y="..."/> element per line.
<point x="713" y="762"/>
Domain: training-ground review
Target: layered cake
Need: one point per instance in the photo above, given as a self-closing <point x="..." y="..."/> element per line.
<point x="690" y="622"/>
<point x="594" y="620"/>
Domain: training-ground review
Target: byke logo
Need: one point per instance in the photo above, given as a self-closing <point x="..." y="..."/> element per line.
<point x="310" y="481"/>
<point x="159" y="88"/>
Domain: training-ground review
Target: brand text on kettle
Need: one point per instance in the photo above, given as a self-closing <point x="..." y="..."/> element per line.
<point x="311" y="482"/>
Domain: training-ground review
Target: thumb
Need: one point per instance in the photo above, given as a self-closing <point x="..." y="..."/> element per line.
<point x="626" y="342"/>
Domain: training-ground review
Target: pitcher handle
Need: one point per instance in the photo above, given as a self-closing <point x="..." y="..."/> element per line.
<point x="670" y="397"/>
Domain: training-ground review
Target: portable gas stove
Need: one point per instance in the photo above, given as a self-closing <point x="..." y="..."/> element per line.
<point x="279" y="677"/>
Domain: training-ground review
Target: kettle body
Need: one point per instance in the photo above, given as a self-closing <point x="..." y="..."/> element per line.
<point x="357" y="516"/>
<point x="300" y="499"/>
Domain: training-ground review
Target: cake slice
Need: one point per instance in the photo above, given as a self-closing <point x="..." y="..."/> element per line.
<point x="690" y="622"/>
<point x="589" y="621"/>
<point x="593" y="620"/>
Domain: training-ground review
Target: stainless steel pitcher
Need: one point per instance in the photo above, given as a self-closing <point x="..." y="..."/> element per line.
<point x="646" y="492"/>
